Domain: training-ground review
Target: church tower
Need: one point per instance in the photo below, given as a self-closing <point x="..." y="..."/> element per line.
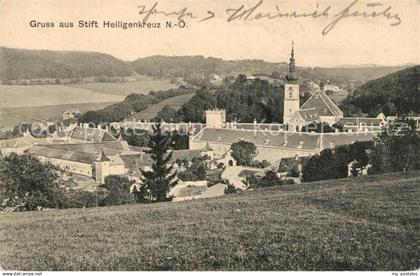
<point x="291" y="90"/>
<point x="102" y="164"/>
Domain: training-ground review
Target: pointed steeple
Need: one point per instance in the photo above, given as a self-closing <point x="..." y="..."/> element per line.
<point x="322" y="85"/>
<point x="292" y="75"/>
<point x="101" y="156"/>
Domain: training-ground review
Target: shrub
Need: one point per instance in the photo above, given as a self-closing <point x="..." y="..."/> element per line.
<point x="243" y="152"/>
<point x="187" y="175"/>
<point x="270" y="179"/>
<point x="119" y="191"/>
<point x="83" y="199"/>
<point x="230" y="189"/>
<point x="27" y="182"/>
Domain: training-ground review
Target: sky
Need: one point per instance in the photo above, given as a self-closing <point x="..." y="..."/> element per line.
<point x="353" y="40"/>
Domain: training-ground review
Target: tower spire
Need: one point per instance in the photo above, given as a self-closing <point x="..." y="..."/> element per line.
<point x="292" y="75"/>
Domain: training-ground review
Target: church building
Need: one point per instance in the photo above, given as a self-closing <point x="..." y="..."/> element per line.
<point x="318" y="108"/>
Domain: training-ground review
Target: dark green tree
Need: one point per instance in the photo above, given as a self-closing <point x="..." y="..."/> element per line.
<point x="27" y="182"/>
<point x="243" y="152"/>
<point x="397" y="148"/>
<point x="168" y="114"/>
<point x="158" y="181"/>
<point x="119" y="190"/>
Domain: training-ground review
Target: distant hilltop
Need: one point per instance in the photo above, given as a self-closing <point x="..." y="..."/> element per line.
<point x="17" y="64"/>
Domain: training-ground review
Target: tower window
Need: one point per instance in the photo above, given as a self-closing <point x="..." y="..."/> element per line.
<point x="290" y="110"/>
<point x="290" y="95"/>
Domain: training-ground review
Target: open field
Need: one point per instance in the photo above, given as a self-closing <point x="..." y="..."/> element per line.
<point x="42" y="95"/>
<point x="368" y="223"/>
<point x="126" y="88"/>
<point x="48" y="102"/>
<point x="151" y="112"/>
<point x="9" y="117"/>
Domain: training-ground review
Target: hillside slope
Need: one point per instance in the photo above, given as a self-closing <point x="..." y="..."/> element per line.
<point x="181" y="66"/>
<point x="18" y="64"/>
<point x="398" y="92"/>
<point x="368" y="223"/>
<point x="35" y="64"/>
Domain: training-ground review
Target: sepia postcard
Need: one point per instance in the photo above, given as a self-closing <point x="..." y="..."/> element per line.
<point x="210" y="135"/>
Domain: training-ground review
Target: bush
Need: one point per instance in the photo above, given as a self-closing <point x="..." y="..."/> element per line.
<point x="28" y="183"/>
<point x="259" y="164"/>
<point x="119" y="191"/>
<point x="289" y="181"/>
<point x="270" y="179"/>
<point x="230" y="189"/>
<point x="243" y="152"/>
<point x="83" y="199"/>
<point x="187" y="175"/>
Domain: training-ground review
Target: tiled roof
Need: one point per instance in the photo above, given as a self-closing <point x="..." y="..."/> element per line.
<point x="296" y="140"/>
<point x="324" y="105"/>
<point x="309" y="114"/>
<point x="185" y="154"/>
<point x="110" y="148"/>
<point x="262" y="138"/>
<point x="338" y="139"/>
<point x="101" y="156"/>
<point x="81" y="157"/>
<point x="133" y="162"/>
<point x="356" y="121"/>
<point x="83" y="153"/>
<point x="23" y="141"/>
<point x="92" y="134"/>
<point x="259" y="126"/>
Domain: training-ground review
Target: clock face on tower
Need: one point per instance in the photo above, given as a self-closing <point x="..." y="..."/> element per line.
<point x="292" y="92"/>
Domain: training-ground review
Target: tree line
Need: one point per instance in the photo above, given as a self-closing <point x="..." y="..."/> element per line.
<point x="396" y="149"/>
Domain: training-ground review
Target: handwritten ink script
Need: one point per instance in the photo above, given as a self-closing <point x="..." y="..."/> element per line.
<point x="354" y="9"/>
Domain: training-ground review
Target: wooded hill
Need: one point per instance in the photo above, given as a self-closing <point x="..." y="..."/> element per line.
<point x="396" y="93"/>
<point x="39" y="64"/>
<point x="18" y="64"/>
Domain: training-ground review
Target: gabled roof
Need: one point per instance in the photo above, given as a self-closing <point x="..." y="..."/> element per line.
<point x="96" y="135"/>
<point x="207" y="147"/>
<point x="330" y="140"/>
<point x="309" y="141"/>
<point x="357" y="121"/>
<point x="323" y="104"/>
<point x="57" y="153"/>
<point x="83" y="153"/>
<point x="24" y="141"/>
<point x="305" y="115"/>
<point x="101" y="156"/>
<point x="294" y="140"/>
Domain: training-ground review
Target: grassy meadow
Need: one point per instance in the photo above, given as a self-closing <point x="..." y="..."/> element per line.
<point x="368" y="223"/>
<point x="9" y="117"/>
<point x="151" y="112"/>
<point x="126" y="88"/>
<point x="48" y="102"/>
